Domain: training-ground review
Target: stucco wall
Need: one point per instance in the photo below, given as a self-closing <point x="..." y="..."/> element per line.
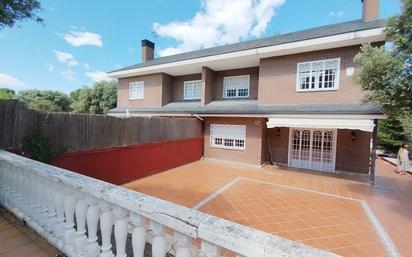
<point x="253" y="145"/>
<point x="277" y="79"/>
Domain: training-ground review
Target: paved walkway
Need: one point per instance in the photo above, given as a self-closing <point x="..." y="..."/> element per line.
<point x="18" y="240"/>
<point x="347" y="217"/>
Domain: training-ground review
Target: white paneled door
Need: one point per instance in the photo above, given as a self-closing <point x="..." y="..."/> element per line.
<point x="312" y="148"/>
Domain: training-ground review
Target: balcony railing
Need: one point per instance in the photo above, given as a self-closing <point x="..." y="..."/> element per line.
<point x="79" y="214"/>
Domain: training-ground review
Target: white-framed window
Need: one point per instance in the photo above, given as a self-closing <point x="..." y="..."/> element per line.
<point x="192" y="89"/>
<point x="228" y="136"/>
<point x="236" y="86"/>
<point x="318" y="75"/>
<point x="136" y="90"/>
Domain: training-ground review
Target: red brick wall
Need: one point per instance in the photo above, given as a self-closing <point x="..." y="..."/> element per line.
<point x="279" y="145"/>
<point x="253" y="147"/>
<point x="353" y="155"/>
<point x="277" y="79"/>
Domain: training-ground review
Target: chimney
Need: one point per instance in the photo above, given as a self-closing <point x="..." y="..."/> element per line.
<point x="370" y="10"/>
<point x="147" y="50"/>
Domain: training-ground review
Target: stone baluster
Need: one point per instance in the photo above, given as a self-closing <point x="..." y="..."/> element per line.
<point x="80" y="241"/>
<point x="43" y="201"/>
<point x="138" y="235"/>
<point x="159" y="240"/>
<point x="92" y="218"/>
<point x="106" y="227"/>
<point x="182" y="245"/>
<point x="59" y="225"/>
<point x="69" y="205"/>
<point x="120" y="231"/>
<point x="209" y="250"/>
<point x="34" y="205"/>
<point x="50" y="187"/>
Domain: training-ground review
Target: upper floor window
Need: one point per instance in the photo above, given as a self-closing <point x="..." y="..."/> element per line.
<point x="192" y="89"/>
<point x="236" y="86"/>
<point x="228" y="136"/>
<point x="318" y="75"/>
<point x="136" y="90"/>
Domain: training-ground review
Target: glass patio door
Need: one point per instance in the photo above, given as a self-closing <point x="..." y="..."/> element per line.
<point x="312" y="148"/>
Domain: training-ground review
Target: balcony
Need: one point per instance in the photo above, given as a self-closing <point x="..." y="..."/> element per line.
<point x="80" y="215"/>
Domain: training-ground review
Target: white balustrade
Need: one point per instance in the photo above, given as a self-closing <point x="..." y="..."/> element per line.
<point x="106" y="227"/>
<point x="138" y="235"/>
<point x="51" y="200"/>
<point x="120" y="231"/>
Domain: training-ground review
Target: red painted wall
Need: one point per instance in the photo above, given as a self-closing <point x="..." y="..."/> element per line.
<point x="123" y="164"/>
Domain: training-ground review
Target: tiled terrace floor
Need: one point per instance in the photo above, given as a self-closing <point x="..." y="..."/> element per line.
<point x="17" y="240"/>
<point x="319" y="210"/>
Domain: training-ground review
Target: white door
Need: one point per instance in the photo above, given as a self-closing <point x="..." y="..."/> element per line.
<point x="312" y="148"/>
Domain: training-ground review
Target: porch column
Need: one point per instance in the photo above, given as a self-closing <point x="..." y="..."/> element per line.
<point x="373" y="153"/>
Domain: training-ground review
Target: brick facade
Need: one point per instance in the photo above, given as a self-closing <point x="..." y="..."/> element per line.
<point x="252" y="154"/>
<point x="277" y="79"/>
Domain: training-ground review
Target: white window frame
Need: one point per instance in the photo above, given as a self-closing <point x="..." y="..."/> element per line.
<point x="137" y="88"/>
<point x="188" y="83"/>
<point x="336" y="82"/>
<point x="229" y="136"/>
<point x="237" y="89"/>
<point x="334" y="143"/>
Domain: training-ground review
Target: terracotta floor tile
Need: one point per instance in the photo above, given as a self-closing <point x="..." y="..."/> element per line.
<point x="26" y="250"/>
<point x="8" y="233"/>
<point x="13" y="242"/>
<point x="320" y="220"/>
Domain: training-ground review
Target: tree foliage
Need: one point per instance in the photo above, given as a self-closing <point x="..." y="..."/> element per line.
<point x="12" y="11"/>
<point x="95" y="100"/>
<point x="39" y="146"/>
<point x="386" y="75"/>
<point x="6" y="94"/>
<point x="45" y="100"/>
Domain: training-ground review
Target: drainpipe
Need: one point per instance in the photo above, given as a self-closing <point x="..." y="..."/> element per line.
<point x="373" y="153"/>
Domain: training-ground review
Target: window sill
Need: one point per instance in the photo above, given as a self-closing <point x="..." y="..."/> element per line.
<point x="228" y="148"/>
<point x="317" y="90"/>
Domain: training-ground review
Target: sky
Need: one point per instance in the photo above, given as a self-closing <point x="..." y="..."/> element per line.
<point x="81" y="40"/>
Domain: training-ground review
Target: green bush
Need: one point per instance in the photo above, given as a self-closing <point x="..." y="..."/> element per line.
<point x="39" y="146"/>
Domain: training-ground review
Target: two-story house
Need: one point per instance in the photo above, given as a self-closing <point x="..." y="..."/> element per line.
<point x="288" y="99"/>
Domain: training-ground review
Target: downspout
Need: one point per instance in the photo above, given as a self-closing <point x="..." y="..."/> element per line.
<point x="373" y="153"/>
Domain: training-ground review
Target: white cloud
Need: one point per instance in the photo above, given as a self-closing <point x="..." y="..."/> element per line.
<point x="65" y="58"/>
<point x="219" y="22"/>
<point x="336" y="14"/>
<point x="98" y="76"/>
<point x="86" y="65"/>
<point x="11" y="82"/>
<point x="68" y="74"/>
<point x="80" y="38"/>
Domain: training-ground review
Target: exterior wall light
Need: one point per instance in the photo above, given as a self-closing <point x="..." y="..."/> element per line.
<point x="353" y="135"/>
<point x="278" y="132"/>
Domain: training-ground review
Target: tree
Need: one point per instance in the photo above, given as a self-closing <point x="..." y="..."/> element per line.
<point x="6" y="94"/>
<point x="45" y="100"/>
<point x="95" y="100"/>
<point x="386" y="75"/>
<point x="12" y="11"/>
